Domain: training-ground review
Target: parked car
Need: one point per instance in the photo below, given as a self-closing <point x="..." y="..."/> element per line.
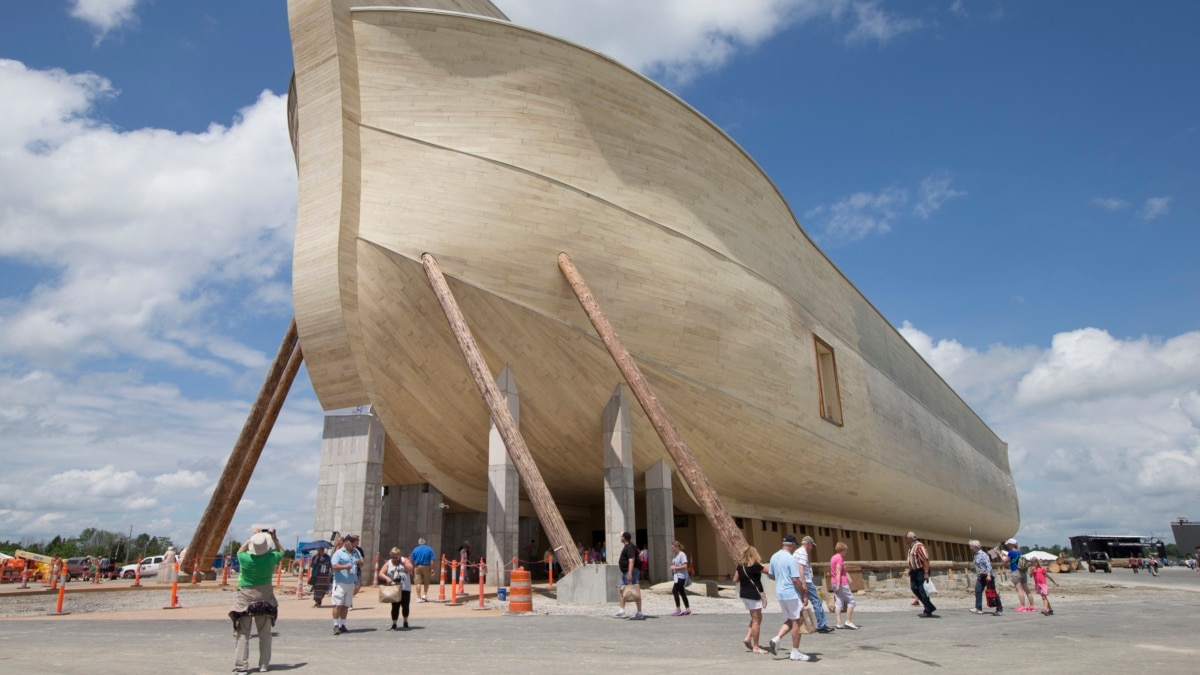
<point x="79" y="568"/>
<point x="150" y="565"/>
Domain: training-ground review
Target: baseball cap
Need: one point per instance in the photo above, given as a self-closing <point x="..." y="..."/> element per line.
<point x="808" y="540"/>
<point x="789" y="539"/>
<point x="1010" y="542"/>
<point x="911" y="535"/>
<point x="351" y="537"/>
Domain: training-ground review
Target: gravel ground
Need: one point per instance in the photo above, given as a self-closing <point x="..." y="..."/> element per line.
<point x="657" y="600"/>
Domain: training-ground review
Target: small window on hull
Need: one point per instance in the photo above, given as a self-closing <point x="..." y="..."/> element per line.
<point x="829" y="396"/>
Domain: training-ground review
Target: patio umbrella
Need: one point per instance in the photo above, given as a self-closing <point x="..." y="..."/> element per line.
<point x="314" y="545"/>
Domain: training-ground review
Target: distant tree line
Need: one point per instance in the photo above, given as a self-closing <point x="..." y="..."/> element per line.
<point x="91" y="541"/>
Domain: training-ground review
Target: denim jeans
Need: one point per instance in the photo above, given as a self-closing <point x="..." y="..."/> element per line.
<point x="916" y="582"/>
<point x="818" y="607"/>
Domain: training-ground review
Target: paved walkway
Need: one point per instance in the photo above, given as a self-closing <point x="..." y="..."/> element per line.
<point x="1138" y="629"/>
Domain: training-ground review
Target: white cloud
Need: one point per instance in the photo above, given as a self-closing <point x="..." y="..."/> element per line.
<point x="1110" y="203"/>
<point x="679" y="39"/>
<point x="1155" y="207"/>
<point x="104" y="15"/>
<point x="874" y="24"/>
<point x="1094" y="424"/>
<point x="958" y="9"/>
<point x="859" y="215"/>
<point x="935" y="190"/>
<point x="146" y="233"/>
<point x="1089" y="363"/>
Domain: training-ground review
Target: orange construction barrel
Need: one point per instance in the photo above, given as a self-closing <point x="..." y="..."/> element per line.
<point x="520" y="592"/>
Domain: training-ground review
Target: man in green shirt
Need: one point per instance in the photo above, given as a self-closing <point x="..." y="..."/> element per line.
<point x="255" y="603"/>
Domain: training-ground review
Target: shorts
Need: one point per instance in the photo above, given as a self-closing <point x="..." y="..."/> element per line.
<point x="637" y="578"/>
<point x="1020" y="578"/>
<point x="343" y="594"/>
<point x="752" y="605"/>
<point x="421" y="575"/>
<point x="843" y="598"/>
<point x="790" y="609"/>
<point x="1043" y="589"/>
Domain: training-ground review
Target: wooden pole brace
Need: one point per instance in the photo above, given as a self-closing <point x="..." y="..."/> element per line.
<point x="242" y="460"/>
<point x="689" y="469"/>
<point x="531" y="478"/>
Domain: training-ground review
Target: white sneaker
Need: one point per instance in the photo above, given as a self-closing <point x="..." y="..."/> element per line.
<point x="773" y="645"/>
<point x="620" y="614"/>
<point x="851" y="626"/>
<point x="798" y="655"/>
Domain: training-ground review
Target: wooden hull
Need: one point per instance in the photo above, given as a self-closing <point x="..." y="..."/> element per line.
<point x="494" y="148"/>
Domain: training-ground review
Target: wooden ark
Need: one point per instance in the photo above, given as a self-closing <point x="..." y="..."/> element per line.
<point x="494" y="148"/>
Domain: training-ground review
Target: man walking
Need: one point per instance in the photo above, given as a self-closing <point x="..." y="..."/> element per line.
<point x="803" y="557"/>
<point x="345" y="582"/>
<point x="630" y="577"/>
<point x="789" y="590"/>
<point x="422" y="559"/>
<point x="918" y="572"/>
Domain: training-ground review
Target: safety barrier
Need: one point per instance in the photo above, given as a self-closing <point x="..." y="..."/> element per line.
<point x="175" y="604"/>
<point x="137" y="573"/>
<point x="453" y="585"/>
<point x="482" y="577"/>
<point x="442" y="582"/>
<point x="62" y="594"/>
<point x="520" y="592"/>
<point x="225" y="570"/>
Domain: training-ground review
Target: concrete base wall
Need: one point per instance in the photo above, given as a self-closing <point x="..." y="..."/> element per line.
<point x="589" y="585"/>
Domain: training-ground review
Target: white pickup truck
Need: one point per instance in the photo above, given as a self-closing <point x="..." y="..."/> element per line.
<point x="150" y="565"/>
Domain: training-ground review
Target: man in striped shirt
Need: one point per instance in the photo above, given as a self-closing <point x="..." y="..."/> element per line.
<point x="918" y="572"/>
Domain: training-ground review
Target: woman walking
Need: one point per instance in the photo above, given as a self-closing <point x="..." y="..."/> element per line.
<point x="397" y="571"/>
<point x="840" y="583"/>
<point x="679" y="570"/>
<point x="322" y="576"/>
<point x="748" y="577"/>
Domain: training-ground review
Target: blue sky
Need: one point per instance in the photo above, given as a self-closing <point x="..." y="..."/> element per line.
<point x="1012" y="184"/>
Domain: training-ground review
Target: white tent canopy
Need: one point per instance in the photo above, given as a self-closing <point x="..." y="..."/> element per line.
<point x="1041" y="555"/>
<point x="4" y="557"/>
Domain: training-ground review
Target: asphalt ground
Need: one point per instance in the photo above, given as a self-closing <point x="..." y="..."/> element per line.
<point x="1130" y="623"/>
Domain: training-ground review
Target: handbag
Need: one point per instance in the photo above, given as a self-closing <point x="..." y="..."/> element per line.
<point x="930" y="589"/>
<point x="390" y="593"/>
<point x="808" y="620"/>
<point x="993" y="598"/>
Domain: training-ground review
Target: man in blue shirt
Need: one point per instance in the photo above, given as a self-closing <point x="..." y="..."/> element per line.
<point x="345" y="563"/>
<point x="792" y="595"/>
<point x="422" y="558"/>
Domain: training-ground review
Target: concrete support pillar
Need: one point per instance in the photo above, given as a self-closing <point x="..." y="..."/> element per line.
<point x="619" y="513"/>
<point x="504" y="485"/>
<point x="350" y="480"/>
<point x="660" y="521"/>
<point x="411" y="512"/>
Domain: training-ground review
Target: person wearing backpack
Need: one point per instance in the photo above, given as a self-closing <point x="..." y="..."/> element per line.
<point x="1018" y="568"/>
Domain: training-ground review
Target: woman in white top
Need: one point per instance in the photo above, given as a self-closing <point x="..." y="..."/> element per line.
<point x="397" y="571"/>
<point x="679" y="570"/>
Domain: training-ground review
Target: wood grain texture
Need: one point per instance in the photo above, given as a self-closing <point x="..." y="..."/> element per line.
<point x="495" y="148"/>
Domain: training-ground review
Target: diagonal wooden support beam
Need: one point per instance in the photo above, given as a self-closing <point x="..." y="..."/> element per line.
<point x="531" y="478"/>
<point x="689" y="469"/>
<point x="210" y="531"/>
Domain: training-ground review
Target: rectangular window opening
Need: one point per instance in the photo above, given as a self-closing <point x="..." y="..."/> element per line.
<point x="828" y="395"/>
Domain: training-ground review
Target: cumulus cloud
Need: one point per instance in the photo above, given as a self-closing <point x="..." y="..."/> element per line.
<point x="104" y="16"/>
<point x="1155" y="207"/>
<point x="935" y="190"/>
<point x="1094" y="424"/>
<point x="143" y="234"/>
<point x="679" y="39"/>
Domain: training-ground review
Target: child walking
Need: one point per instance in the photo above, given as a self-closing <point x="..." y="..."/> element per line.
<point x="1040" y="576"/>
